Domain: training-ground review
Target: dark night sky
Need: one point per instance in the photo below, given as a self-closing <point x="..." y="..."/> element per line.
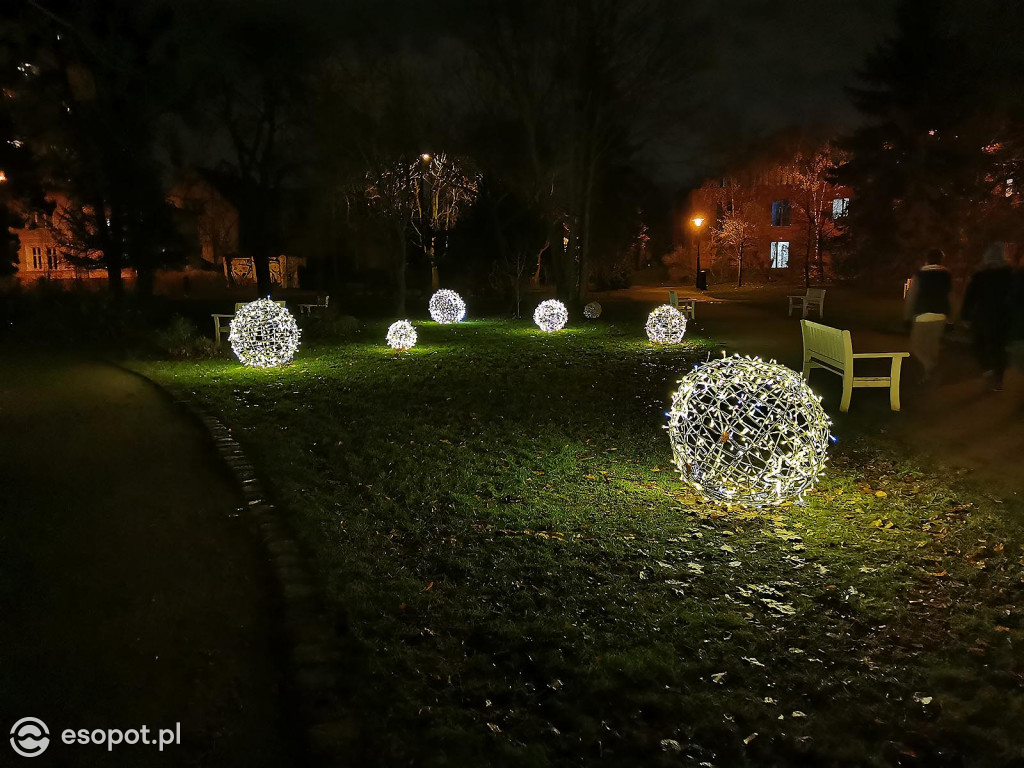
<point x="772" y="65"/>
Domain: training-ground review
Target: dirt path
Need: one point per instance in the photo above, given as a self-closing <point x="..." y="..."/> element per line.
<point x="131" y="591"/>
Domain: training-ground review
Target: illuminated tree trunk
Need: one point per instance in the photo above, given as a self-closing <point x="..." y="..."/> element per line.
<point x="739" y="267"/>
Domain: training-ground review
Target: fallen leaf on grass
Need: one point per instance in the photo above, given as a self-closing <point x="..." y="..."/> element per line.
<point x="494" y="727"/>
<point x="719" y="677"/>
<point x="750" y="738"/>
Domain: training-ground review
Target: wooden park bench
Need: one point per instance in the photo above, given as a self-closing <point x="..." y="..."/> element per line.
<point x="687" y="306"/>
<point x="815" y="297"/>
<point x="321" y="303"/>
<point x="222" y="323"/>
<point x="832" y="349"/>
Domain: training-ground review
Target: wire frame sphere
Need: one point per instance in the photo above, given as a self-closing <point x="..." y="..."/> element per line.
<point x="744" y="431"/>
<point x="401" y="335"/>
<point x="551" y="315"/>
<point x="666" y="325"/>
<point x="592" y="311"/>
<point x="264" y="334"/>
<point x="447" y="307"/>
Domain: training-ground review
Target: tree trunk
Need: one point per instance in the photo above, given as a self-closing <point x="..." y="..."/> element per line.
<point x="807" y="262"/>
<point x="111" y="248"/>
<point x="399" y="264"/>
<point x="261" y="266"/>
<point x="739" y="268"/>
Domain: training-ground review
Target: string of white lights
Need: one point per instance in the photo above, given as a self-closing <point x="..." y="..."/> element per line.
<point x="551" y="315"/>
<point x="666" y="325"/>
<point x="264" y="334"/>
<point x="401" y="335"/>
<point x="447" y="307"/>
<point x="748" y="431"/>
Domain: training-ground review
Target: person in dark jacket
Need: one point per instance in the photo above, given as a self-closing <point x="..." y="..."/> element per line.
<point x="928" y="307"/>
<point x="987" y="308"/>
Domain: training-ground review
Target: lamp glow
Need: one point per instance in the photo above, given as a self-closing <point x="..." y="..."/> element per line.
<point x="746" y="431"/>
<point x="551" y="315"/>
<point x="666" y="325"/>
<point x="264" y="334"/>
<point x="447" y="307"/>
<point x="592" y="311"/>
<point x="401" y="335"/>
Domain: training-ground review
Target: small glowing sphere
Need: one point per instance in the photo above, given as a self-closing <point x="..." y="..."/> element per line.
<point x="447" y="307"/>
<point x="592" y="311"/>
<point x="401" y="335"/>
<point x="666" y="325"/>
<point x="551" y="315"/>
<point x="744" y="431"/>
<point x="264" y="334"/>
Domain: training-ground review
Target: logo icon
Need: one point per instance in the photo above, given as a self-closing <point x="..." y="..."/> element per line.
<point x="30" y="737"/>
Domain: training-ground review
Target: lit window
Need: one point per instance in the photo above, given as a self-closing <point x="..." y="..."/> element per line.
<point x="780" y="213"/>
<point x="840" y="207"/>
<point x="780" y="254"/>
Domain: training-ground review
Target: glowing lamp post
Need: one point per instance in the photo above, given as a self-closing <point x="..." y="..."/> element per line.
<point x="697" y="222"/>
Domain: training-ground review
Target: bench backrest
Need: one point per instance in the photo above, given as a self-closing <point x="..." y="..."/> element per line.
<point x="240" y="304"/>
<point x="816" y="293"/>
<point x="828" y="344"/>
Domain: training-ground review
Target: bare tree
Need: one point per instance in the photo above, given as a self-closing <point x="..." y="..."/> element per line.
<point x="442" y="193"/>
<point x="573" y="84"/>
<point x="811" y="174"/>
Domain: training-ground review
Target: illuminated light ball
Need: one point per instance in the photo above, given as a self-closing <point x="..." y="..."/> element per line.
<point x="666" y="325"/>
<point x="744" y="431"/>
<point x="551" y="315"/>
<point x="592" y="311"/>
<point x="447" y="307"/>
<point x="401" y="335"/>
<point x="264" y="334"/>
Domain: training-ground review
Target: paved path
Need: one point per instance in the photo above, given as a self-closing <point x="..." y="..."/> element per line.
<point x="131" y="592"/>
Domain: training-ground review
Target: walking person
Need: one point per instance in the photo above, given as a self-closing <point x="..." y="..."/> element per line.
<point x="986" y="308"/>
<point x="928" y="307"/>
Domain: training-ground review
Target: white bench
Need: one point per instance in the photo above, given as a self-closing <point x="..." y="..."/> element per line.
<point x="815" y="297"/>
<point x="832" y="349"/>
<point x="687" y="306"/>
<point x="222" y="323"/>
<point x="321" y="303"/>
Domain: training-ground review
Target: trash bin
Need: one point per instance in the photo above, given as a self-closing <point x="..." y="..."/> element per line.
<point x="702" y="280"/>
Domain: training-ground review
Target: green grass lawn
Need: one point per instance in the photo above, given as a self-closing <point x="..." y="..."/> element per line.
<point x="520" y="578"/>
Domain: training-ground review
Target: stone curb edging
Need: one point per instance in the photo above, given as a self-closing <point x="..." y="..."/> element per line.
<point x="312" y="646"/>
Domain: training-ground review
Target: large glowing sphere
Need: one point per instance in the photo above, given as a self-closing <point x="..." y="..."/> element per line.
<point x="666" y="325"/>
<point x="447" y="307"/>
<point x="592" y="311"/>
<point x="264" y="334"/>
<point x="551" y="315"/>
<point x="744" y="431"/>
<point x="401" y="335"/>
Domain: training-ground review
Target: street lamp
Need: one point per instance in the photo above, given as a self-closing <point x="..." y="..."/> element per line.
<point x="697" y="222"/>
